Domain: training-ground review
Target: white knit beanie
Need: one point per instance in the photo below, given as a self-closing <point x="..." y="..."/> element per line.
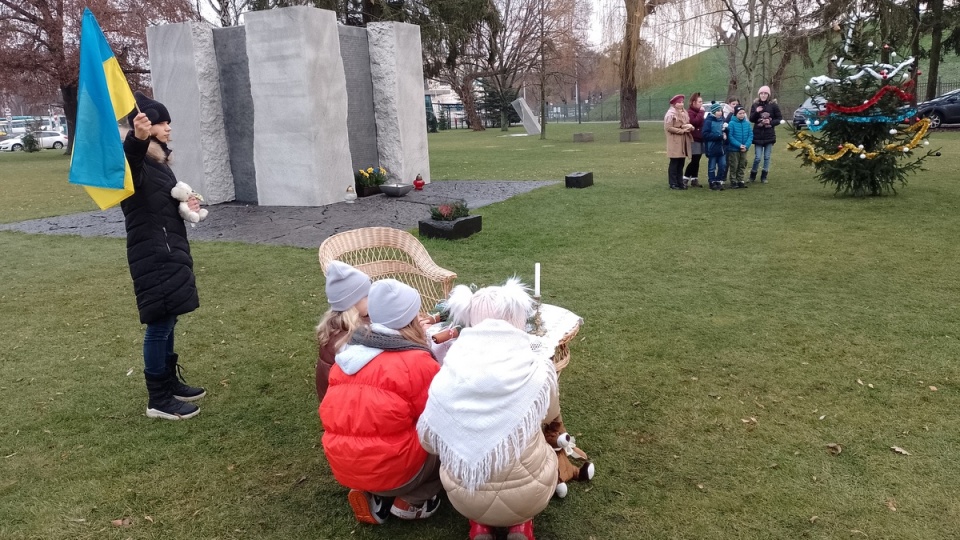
<point x="392" y="303"/>
<point x="345" y="286"/>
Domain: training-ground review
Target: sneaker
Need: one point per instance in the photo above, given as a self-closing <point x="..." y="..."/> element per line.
<point x="368" y="508"/>
<point x="479" y="531"/>
<point x="523" y="531"/>
<point x="741" y="185"/>
<point x="404" y="510"/>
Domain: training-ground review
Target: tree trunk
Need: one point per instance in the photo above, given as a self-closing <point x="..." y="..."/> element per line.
<point x="635" y="11"/>
<point x="69" y="94"/>
<point x="733" y="87"/>
<point x="470" y="105"/>
<point x="936" y="48"/>
<point x="504" y="119"/>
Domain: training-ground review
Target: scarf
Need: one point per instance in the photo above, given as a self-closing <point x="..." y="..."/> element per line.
<point x="385" y="339"/>
<point x="487" y="402"/>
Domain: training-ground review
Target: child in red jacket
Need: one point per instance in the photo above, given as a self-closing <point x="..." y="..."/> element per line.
<point x="377" y="391"/>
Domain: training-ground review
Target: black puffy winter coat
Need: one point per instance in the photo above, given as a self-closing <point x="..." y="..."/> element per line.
<point x="765" y="122"/>
<point x="157" y="248"/>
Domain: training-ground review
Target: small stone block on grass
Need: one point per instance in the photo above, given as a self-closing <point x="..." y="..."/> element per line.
<point x="579" y="179"/>
<point x="629" y="135"/>
<point x="583" y="137"/>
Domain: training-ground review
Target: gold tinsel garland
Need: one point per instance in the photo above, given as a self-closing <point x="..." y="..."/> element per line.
<point x="920" y="128"/>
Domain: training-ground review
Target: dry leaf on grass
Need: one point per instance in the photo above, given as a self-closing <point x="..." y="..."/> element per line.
<point x="834" y="449"/>
<point x="891" y="504"/>
<point x="813" y="519"/>
<point x="859" y="382"/>
<point x="125" y="522"/>
<point x="933" y="388"/>
<point x="900" y="451"/>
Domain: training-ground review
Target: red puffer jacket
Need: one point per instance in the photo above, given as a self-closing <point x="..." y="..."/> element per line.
<point x="370" y="417"/>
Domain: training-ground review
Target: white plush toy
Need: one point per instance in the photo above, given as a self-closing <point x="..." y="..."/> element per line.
<point x="182" y="192"/>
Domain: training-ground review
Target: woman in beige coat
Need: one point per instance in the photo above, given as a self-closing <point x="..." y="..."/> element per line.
<point x="679" y="131"/>
<point x="485" y="412"/>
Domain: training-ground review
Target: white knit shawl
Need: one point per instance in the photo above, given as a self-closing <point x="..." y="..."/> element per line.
<point x="487" y="402"/>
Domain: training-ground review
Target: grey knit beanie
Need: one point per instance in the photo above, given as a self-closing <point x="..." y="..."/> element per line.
<point x="393" y="304"/>
<point x="345" y="286"/>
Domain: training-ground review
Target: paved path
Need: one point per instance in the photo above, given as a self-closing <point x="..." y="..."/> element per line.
<point x="297" y="225"/>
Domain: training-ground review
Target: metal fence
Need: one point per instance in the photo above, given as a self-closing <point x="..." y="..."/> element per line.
<point x="648" y="107"/>
<point x="654" y="107"/>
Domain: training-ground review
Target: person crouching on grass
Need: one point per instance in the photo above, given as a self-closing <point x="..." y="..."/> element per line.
<point x="377" y="391"/>
<point x="347" y="290"/>
<point x="485" y="415"/>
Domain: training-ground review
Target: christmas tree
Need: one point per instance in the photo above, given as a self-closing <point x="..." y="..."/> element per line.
<point x="865" y="138"/>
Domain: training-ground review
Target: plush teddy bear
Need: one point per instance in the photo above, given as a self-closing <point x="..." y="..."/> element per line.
<point x="565" y="446"/>
<point x="182" y="192"/>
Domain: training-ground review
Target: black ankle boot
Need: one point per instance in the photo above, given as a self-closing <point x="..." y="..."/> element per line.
<point x="753" y="175"/>
<point x="178" y="386"/>
<point x="763" y="177"/>
<point x="162" y="404"/>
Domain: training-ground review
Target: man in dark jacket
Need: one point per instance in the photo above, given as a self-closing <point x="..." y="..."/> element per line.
<point x="765" y="116"/>
<point x="159" y="257"/>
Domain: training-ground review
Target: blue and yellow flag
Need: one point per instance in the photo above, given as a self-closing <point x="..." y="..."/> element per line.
<point x="103" y="98"/>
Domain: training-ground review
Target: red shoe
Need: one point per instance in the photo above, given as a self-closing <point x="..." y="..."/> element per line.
<point x="523" y="531"/>
<point x="479" y="531"/>
<point x="368" y="508"/>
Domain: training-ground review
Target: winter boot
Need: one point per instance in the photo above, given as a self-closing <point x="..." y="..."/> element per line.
<point x="162" y="403"/>
<point x="523" y="531"/>
<point x="180" y="390"/>
<point x="753" y="175"/>
<point x="479" y="531"/>
<point x="763" y="177"/>
<point x="741" y="185"/>
<point x="695" y="182"/>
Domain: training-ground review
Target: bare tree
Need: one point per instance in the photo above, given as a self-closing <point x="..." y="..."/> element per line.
<point x="40" y="40"/>
<point x="632" y="16"/>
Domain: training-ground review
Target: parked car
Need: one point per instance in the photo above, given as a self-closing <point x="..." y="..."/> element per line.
<point x="810" y="106"/>
<point x="940" y="110"/>
<point x="47" y="139"/>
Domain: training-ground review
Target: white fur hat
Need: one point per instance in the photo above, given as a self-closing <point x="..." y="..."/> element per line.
<point x="345" y="286"/>
<point x="393" y="304"/>
<point x="509" y="302"/>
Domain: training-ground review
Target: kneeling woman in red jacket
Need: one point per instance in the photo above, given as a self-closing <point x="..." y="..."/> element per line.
<point x="378" y="389"/>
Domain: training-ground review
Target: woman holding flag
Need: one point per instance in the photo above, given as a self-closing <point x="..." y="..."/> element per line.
<point x="159" y="256"/>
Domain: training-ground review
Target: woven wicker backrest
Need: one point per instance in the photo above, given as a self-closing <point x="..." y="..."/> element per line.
<point x="382" y="252"/>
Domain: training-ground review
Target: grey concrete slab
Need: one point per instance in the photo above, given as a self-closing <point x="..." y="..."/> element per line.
<point x="396" y="67"/>
<point x="297" y="226"/>
<point x="301" y="149"/>
<point x="231" y="47"/>
<point x="183" y="68"/>
<point x="530" y="121"/>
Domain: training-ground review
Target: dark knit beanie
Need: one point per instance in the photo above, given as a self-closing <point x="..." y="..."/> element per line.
<point x="155" y="111"/>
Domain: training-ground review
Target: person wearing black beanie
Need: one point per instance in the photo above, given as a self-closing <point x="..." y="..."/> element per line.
<point x="159" y="257"/>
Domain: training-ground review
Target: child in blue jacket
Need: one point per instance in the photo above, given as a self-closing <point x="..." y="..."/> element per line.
<point x="714" y="139"/>
<point x="739" y="139"/>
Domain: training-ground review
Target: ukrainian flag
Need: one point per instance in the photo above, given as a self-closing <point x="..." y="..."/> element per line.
<point x="103" y="98"/>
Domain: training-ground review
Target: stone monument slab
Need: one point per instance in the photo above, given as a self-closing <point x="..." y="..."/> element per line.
<point x="396" y="66"/>
<point x="301" y="147"/>
<point x="530" y="121"/>
<point x="183" y="67"/>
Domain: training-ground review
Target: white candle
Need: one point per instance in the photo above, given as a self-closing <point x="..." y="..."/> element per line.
<point x="536" y="280"/>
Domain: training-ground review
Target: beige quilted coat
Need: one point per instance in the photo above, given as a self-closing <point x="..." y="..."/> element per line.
<point x="678" y="141"/>
<point x="516" y="494"/>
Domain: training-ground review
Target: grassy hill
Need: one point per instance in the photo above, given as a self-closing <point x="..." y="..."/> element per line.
<point x="707" y="73"/>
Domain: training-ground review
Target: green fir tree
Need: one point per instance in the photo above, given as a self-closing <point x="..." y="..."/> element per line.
<point x="866" y="139"/>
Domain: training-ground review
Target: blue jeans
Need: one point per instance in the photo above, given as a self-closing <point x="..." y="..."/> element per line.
<point x="158" y="345"/>
<point x="716" y="168"/>
<point x="764" y="152"/>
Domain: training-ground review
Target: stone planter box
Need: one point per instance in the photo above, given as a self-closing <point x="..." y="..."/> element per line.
<point x="366" y="191"/>
<point x="451" y="230"/>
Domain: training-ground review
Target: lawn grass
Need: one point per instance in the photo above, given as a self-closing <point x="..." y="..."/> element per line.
<point x="725" y="341"/>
